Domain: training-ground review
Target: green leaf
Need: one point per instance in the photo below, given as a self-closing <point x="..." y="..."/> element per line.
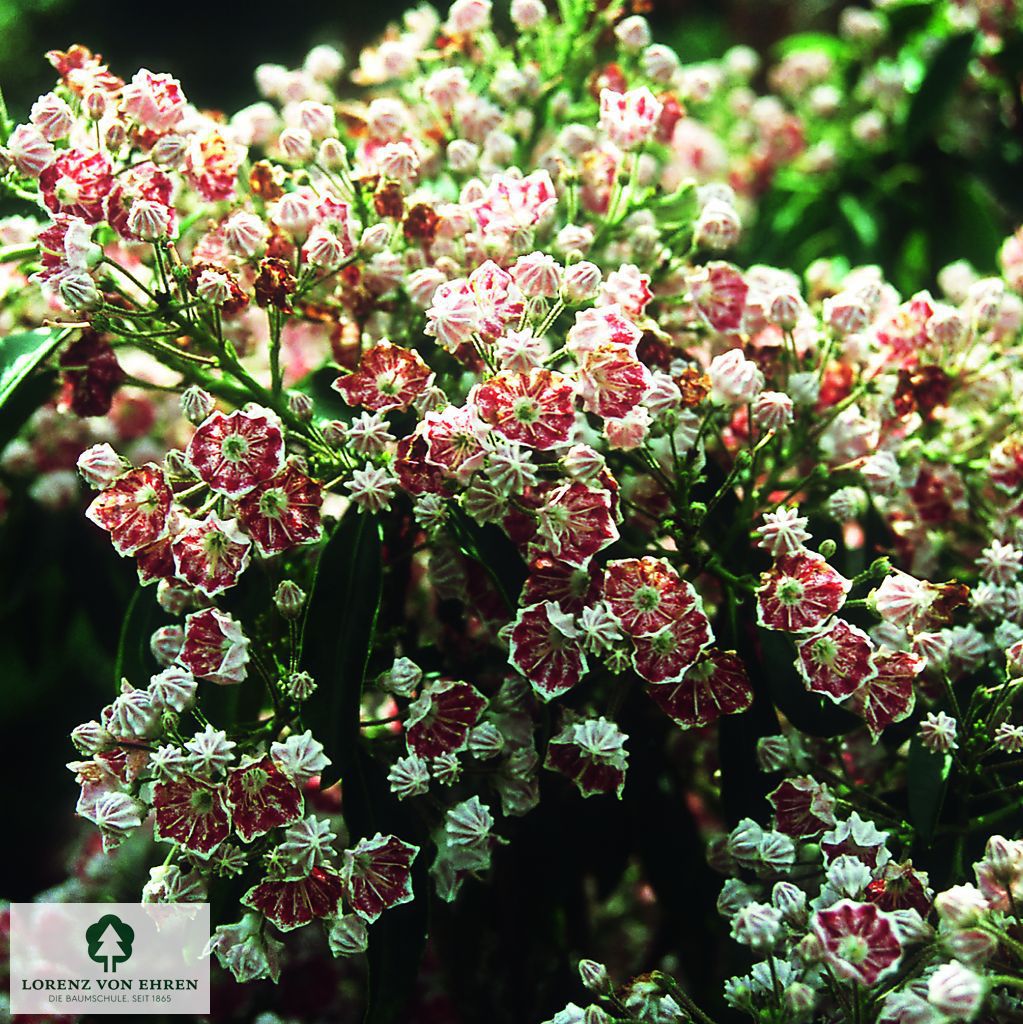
<point x="928" y="778"/>
<point x="859" y="219"/>
<point x="20" y="354"/>
<point x="941" y="82"/>
<point x="134" y="660"/>
<point x="809" y="42"/>
<point x="337" y="636"/>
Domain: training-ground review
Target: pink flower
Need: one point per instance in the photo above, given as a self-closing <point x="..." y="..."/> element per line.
<point x="735" y="380"/>
<point x="77" y="184"/>
<point x="628" y="289"/>
<point x="612" y="382"/>
<point x="511" y="203"/>
<point x="838" y="661"/>
<point x="155" y="101"/>
<point x="293" y="902"/>
<point x="192" y="813"/>
<point x="858" y="940"/>
<point x="453" y="317"/>
<point x="665" y="656"/>
<point x="30" y="151"/>
<point x="799" y="593"/>
<point x="211" y="165"/>
<point x="889" y="697"/>
<point x="803" y="807"/>
<point x="575" y="522"/>
<point x="235" y="452"/>
<point x="603" y="327"/>
<point x="629" y="118"/>
<point x="719" y="294"/>
<point x="646" y="595"/>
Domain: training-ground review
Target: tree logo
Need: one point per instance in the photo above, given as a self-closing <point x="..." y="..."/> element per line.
<point x="110" y="942"/>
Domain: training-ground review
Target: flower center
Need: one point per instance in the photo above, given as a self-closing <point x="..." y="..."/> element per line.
<point x="273" y="503"/>
<point x="790" y="591"/>
<point x="387" y="383"/>
<point x="255" y="780"/>
<point x="526" y="410"/>
<point x="234" y="448"/>
<point x="147" y="498"/>
<point x="853" y="949"/>
<point x="66" y="191"/>
<point x="646" y="599"/>
<point x="201" y="801"/>
<point x="824" y="651"/>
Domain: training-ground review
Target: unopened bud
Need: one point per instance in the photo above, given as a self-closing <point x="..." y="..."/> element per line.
<point x="289" y="599"/>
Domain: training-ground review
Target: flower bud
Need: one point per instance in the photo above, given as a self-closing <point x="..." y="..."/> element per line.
<point x="196" y="404"/>
<point x="166" y="644"/>
<point x="594" y="976"/>
<point x="956" y="991"/>
<point x="582" y="280"/>
<point x="300" y="685"/>
<point x="300" y="405"/>
<point x="100" y="466"/>
<point x="289" y="599"/>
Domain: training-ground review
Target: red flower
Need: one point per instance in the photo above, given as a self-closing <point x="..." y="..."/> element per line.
<point x="901" y="887"/>
<point x="573" y="588"/>
<point x="283" y="512"/>
<point x="192" y="813"/>
<point x="234" y="453"/>
<point x="133" y="509"/>
<point x="592" y="754"/>
<point x="799" y="593"/>
<point x="803" y="807"/>
<point x="837" y="661"/>
<point x="715" y="685"/>
<point x="719" y="293"/>
<point x="261" y="797"/>
<point x="92" y="374"/>
<point x="292" y="902"/>
<point x="388" y="377"/>
<point x="646" y="594"/>
<point x="377" y="875"/>
<point x="545" y="649"/>
<point x="415" y="474"/>
<point x="888" y="697"/>
<point x="211" y="554"/>
<point x="215" y="647"/>
<point x="535" y="408"/>
<point x="439" y="720"/>
<point x="575" y="522"/>
<point x="858" y="940"/>
<point x="667" y="655"/>
<point x="77" y="183"/>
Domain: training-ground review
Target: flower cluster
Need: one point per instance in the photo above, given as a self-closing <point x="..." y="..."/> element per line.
<point x="463" y="466"/>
